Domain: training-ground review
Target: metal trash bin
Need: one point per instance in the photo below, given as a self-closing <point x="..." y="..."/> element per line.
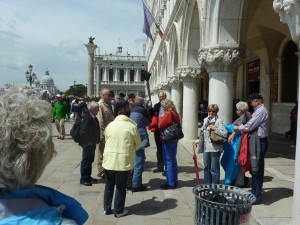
<point x="218" y="204"/>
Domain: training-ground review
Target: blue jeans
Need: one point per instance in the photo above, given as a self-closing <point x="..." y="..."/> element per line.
<point x="211" y="167"/>
<point x="257" y="180"/>
<point x="138" y="168"/>
<point x="171" y="168"/>
<point x="88" y="156"/>
<point x="118" y="179"/>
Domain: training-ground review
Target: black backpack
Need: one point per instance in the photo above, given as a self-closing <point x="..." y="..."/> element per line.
<point x="75" y="130"/>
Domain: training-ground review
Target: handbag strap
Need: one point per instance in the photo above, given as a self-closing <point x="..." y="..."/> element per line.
<point x="173" y="117"/>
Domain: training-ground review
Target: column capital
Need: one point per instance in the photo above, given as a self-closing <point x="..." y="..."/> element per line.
<point x="91" y="48"/>
<point x="289" y="11"/>
<point x="220" y="58"/>
<point x="175" y="81"/>
<point x="190" y="74"/>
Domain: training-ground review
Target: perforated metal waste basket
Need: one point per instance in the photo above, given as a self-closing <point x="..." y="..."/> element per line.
<point x="218" y="204"/>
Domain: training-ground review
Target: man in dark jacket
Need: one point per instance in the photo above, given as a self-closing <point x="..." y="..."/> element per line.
<point x="89" y="137"/>
<point x="158" y="110"/>
<point x="139" y="114"/>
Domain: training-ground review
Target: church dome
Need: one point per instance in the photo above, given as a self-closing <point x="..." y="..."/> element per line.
<point x="47" y="80"/>
<point x="36" y="82"/>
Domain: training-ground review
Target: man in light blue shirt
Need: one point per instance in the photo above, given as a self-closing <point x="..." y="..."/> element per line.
<point x="258" y="128"/>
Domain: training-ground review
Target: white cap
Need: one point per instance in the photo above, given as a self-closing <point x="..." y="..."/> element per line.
<point x="58" y="96"/>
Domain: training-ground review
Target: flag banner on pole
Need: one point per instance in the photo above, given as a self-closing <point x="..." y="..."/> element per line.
<point x="148" y="20"/>
<point x="159" y="31"/>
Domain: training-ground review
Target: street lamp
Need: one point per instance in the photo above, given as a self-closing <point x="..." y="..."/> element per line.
<point x="147" y="76"/>
<point x="30" y="76"/>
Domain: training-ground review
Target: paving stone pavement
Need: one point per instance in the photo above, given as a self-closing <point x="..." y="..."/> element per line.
<point x="170" y="207"/>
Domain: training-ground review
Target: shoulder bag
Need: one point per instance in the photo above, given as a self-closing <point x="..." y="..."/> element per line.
<point x="173" y="132"/>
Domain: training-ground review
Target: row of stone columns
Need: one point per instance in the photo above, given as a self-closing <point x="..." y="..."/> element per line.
<point x="220" y="65"/>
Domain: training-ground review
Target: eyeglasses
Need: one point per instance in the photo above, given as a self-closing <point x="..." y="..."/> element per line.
<point x="211" y="111"/>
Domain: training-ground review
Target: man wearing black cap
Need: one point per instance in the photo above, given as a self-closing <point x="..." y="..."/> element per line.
<point x="257" y="127"/>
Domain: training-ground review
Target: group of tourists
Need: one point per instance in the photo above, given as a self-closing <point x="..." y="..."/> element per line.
<point x="244" y="150"/>
<point x="118" y="137"/>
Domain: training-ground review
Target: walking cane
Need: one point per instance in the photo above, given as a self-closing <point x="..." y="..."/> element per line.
<point x="196" y="166"/>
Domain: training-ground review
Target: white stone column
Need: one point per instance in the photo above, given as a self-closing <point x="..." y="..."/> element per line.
<point x="98" y="60"/>
<point x="126" y="75"/>
<point x="90" y="84"/>
<point x="116" y="74"/>
<point x="105" y="74"/>
<point x="221" y="93"/>
<point x="176" y="94"/>
<point x="137" y="77"/>
<point x="190" y="79"/>
<point x="220" y="64"/>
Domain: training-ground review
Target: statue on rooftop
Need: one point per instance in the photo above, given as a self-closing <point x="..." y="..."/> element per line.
<point x="91" y="39"/>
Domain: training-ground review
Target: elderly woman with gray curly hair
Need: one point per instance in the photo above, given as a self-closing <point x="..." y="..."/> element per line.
<point x="234" y="159"/>
<point x="26" y="147"/>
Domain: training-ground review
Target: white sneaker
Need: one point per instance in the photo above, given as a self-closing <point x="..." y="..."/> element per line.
<point x="124" y="213"/>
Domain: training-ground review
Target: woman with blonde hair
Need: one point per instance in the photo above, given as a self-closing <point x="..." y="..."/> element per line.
<point x="169" y="117"/>
<point x="211" y="150"/>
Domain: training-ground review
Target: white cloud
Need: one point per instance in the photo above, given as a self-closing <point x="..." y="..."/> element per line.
<point x="52" y="34"/>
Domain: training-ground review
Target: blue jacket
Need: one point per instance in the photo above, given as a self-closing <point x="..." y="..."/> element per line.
<point x="229" y="160"/>
<point x="140" y="116"/>
<point x="44" y="206"/>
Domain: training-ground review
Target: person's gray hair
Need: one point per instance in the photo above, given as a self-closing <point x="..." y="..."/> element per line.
<point x="168" y="104"/>
<point x="26" y="144"/>
<point x="92" y="105"/>
<point x="243" y="106"/>
<point x="162" y="91"/>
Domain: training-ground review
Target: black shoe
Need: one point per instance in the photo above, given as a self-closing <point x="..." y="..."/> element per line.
<point x="108" y="212"/>
<point x="139" y="189"/>
<point x="86" y="183"/>
<point x="158" y="170"/>
<point x="164" y="173"/>
<point x="95" y="181"/>
<point x="256" y="202"/>
<point x="166" y="187"/>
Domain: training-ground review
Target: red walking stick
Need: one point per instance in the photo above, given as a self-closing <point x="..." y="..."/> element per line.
<point x="196" y="166"/>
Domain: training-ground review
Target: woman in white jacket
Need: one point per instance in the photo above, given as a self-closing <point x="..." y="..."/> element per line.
<point x="211" y="151"/>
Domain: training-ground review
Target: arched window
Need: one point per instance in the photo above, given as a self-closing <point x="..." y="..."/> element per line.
<point x="111" y="74"/>
<point x="131" y="75"/>
<point x="121" y="75"/>
<point x="289" y="73"/>
<point x="101" y="74"/>
<point x="142" y="76"/>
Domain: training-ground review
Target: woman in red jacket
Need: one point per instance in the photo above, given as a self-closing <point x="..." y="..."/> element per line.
<point x="169" y="117"/>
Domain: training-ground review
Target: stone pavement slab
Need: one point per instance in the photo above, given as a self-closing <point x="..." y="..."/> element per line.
<point x="173" y="207"/>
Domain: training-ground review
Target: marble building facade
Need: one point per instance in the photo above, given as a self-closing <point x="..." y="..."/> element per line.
<point x="120" y="72"/>
<point x="220" y="50"/>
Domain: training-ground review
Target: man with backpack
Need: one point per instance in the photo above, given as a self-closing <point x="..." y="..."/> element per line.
<point x="89" y="133"/>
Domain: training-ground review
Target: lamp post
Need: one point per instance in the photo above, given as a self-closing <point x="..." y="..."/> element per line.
<point x="147" y="76"/>
<point x="30" y="76"/>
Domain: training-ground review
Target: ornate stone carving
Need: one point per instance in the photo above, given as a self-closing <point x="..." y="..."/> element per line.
<point x="175" y="81"/>
<point x="289" y="11"/>
<point x="220" y="59"/>
<point x="190" y="74"/>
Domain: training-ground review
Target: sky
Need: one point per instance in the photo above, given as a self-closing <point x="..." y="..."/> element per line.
<point x="50" y="34"/>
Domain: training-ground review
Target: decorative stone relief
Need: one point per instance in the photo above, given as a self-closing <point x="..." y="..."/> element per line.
<point x="289" y="11"/>
<point x="175" y="81"/>
<point x="190" y="74"/>
<point x="220" y="59"/>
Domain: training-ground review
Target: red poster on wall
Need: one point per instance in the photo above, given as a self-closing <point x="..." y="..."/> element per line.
<point x="253" y="70"/>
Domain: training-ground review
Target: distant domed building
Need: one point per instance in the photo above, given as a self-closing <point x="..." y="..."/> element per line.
<point x="47" y="83"/>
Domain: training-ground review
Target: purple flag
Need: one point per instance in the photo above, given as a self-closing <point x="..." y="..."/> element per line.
<point x="148" y="20"/>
